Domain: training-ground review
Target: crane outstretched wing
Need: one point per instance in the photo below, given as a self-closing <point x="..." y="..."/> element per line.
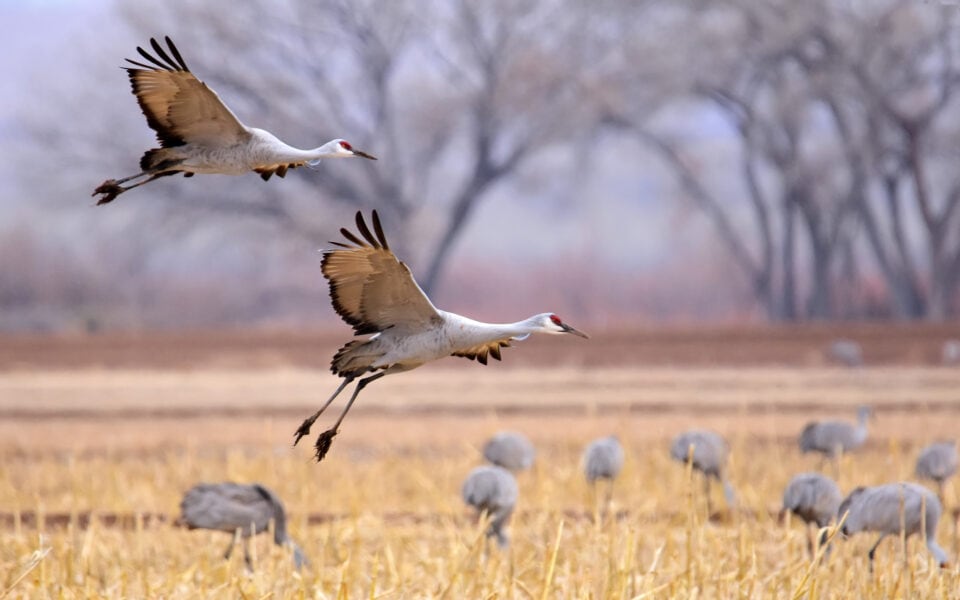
<point x="178" y="106"/>
<point x="371" y="289"/>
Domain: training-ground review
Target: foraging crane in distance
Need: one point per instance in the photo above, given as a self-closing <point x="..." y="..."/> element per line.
<point x="493" y="490"/>
<point x="198" y="133"/>
<point x="879" y="509"/>
<point x="845" y="352"/>
<point x="708" y="452"/>
<point x="938" y="462"/>
<point x="814" y="498"/>
<point x="373" y="291"/>
<point x="510" y="450"/>
<point x="235" y="507"/>
<point x="603" y="459"/>
<point x="833" y="438"/>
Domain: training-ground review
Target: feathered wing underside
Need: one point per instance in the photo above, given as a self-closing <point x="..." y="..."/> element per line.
<point x="178" y="106"/>
<point x="370" y="288"/>
<point x="278" y="170"/>
<point x="480" y="352"/>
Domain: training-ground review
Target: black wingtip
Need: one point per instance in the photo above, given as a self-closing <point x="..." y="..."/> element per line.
<point x="378" y="229"/>
<point x="365" y="231"/>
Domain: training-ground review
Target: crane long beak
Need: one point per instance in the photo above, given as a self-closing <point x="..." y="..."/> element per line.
<point x="364" y="154"/>
<point x="568" y="329"/>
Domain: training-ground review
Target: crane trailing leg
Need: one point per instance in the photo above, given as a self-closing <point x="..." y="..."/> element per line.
<point x="325" y="439"/>
<point x="111" y="188"/>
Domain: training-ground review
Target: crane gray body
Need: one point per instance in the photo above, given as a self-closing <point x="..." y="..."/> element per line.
<point x="492" y="490"/>
<point x="510" y="450"/>
<point x="709" y="456"/>
<point x="938" y="462"/>
<point x="603" y="459"/>
<point x="833" y="438"/>
<point x="883" y="508"/>
<point x="247" y="509"/>
<point x="814" y="498"/>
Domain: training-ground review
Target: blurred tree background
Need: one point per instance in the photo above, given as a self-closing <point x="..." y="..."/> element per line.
<point x="610" y="161"/>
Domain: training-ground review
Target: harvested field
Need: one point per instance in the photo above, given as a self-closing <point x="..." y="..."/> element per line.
<point x="99" y="439"/>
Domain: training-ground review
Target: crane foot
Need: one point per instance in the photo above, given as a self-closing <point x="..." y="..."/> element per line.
<point x="324" y="440"/>
<point x="303" y="430"/>
<point x="110" y="190"/>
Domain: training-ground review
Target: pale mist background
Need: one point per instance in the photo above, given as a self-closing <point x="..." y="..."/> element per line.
<point x="612" y="162"/>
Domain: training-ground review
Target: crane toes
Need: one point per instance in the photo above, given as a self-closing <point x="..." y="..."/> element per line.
<point x="302" y="431"/>
<point x="324" y="440"/>
<point x="110" y="190"/>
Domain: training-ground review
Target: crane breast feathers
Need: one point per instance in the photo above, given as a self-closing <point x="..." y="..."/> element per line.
<point x="370" y="288"/>
<point x="178" y="106"/>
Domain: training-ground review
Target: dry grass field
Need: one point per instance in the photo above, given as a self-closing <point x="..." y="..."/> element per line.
<point x="99" y="438"/>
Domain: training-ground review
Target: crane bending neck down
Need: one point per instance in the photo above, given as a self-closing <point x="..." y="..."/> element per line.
<point x="375" y="292"/>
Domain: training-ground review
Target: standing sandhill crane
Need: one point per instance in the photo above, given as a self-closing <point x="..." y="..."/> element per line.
<point x="845" y="352"/>
<point x="708" y="452"/>
<point x="814" y="498"/>
<point x="510" y="450"/>
<point x="938" y="462"/>
<point x="375" y="292"/>
<point x="950" y="353"/>
<point x="833" y="438"/>
<point x="884" y="508"/>
<point x="603" y="459"/>
<point x="492" y="490"/>
<point x="235" y="507"/>
<point x="198" y="133"/>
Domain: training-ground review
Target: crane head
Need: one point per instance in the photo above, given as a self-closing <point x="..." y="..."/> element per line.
<point x="551" y="323"/>
<point x="343" y="147"/>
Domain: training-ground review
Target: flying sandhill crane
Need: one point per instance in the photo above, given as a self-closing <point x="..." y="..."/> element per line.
<point x="814" y="498"/>
<point x="603" y="459"/>
<point x="493" y="491"/>
<point x="246" y="509"/>
<point x="845" y="352"/>
<point x="938" y="462"/>
<point x="510" y="450"/>
<point x="708" y="453"/>
<point x="376" y="293"/>
<point x="833" y="438"/>
<point x="884" y="508"/>
<point x="198" y="133"/>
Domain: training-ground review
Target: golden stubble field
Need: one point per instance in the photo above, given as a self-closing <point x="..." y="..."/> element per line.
<point x="94" y="460"/>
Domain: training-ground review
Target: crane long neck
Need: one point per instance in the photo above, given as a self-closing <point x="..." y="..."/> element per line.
<point x="493" y="331"/>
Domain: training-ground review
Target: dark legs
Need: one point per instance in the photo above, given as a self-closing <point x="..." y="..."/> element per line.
<point x="111" y="188"/>
<point x="307" y="423"/>
<point x="873" y="550"/>
<point x="706" y="494"/>
<point x="324" y="440"/>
